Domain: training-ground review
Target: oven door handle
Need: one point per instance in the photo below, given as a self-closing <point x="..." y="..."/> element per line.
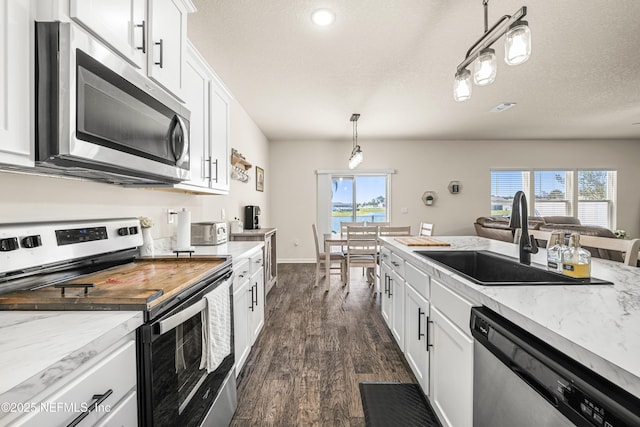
<point x="179" y="318"/>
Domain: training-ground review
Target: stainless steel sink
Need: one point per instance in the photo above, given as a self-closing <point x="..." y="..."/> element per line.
<point x="491" y="269"/>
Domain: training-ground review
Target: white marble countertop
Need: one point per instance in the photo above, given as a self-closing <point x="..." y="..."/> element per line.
<point x="597" y="325"/>
<point x="38" y="348"/>
<point x="235" y="249"/>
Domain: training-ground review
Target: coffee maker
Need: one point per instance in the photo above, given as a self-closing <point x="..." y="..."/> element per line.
<point x="251" y="217"/>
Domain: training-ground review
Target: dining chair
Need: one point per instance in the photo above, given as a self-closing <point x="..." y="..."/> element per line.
<point x="344" y="225"/>
<point x="404" y="230"/>
<point x="426" y="229"/>
<point x="628" y="248"/>
<point x="334" y="257"/>
<point x="362" y="251"/>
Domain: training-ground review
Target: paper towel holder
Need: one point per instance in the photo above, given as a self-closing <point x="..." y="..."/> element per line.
<point x="182" y="216"/>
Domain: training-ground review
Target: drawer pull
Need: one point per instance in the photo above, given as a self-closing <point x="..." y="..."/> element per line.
<point x="99" y="398"/>
<point x="395" y="264"/>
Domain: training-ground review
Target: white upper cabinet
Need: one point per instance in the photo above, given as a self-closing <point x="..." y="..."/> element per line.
<point x="16" y="90"/>
<point x="209" y="104"/>
<point x="150" y="34"/>
<point x="220" y="146"/>
<point x="167" y="43"/>
<point x="120" y="23"/>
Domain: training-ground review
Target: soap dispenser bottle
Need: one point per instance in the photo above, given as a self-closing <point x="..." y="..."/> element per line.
<point x="576" y="261"/>
<point x="555" y="250"/>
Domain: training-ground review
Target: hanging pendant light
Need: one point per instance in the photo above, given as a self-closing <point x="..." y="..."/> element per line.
<point x="517" y="44"/>
<point x="517" y="50"/>
<point x="485" y="67"/>
<point x="356" y="153"/>
<point x="462" y="86"/>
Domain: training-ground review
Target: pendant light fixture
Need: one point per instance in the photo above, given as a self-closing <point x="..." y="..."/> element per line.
<point x="356" y="153"/>
<point x="517" y="50"/>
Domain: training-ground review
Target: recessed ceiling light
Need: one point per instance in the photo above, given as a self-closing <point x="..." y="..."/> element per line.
<point x="501" y="107"/>
<point x="323" y="17"/>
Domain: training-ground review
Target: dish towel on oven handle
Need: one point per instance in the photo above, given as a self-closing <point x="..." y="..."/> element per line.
<point x="216" y="327"/>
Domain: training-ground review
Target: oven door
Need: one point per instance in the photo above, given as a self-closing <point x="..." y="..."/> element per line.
<point x="96" y="113"/>
<point x="175" y="389"/>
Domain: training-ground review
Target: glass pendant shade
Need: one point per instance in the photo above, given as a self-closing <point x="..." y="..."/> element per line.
<point x="462" y="86"/>
<point x="485" y="67"/>
<point x="356" y="157"/>
<point x="517" y="46"/>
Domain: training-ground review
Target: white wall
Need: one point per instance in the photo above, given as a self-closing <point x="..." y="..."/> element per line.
<point x="431" y="165"/>
<point x="36" y="198"/>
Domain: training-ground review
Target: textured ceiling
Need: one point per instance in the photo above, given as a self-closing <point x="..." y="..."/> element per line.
<point x="394" y="61"/>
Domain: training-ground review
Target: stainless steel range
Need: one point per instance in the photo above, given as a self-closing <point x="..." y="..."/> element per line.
<point x="93" y="265"/>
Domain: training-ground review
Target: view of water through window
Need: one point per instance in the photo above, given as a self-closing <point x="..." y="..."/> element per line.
<point x="358" y="199"/>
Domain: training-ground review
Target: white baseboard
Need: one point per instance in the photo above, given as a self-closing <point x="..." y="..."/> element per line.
<point x="297" y="261"/>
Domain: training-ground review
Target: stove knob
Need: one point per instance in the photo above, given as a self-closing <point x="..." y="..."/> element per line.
<point x="31" y="241"/>
<point x="9" y="244"/>
<point x="124" y="231"/>
<point x="133" y="230"/>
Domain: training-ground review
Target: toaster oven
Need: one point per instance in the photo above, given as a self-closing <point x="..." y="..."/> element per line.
<point x="208" y="233"/>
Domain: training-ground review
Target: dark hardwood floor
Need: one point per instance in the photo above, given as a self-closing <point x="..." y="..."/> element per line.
<point x="314" y="349"/>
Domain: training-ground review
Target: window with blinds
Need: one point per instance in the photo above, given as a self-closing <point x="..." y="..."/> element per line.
<point x="597" y="197"/>
<point x="504" y="185"/>
<point x="589" y="195"/>
<point x="553" y="193"/>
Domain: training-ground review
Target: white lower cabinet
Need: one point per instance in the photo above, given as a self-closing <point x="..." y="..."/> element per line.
<point x="416" y="346"/>
<point x="397" y="312"/>
<point x="430" y="323"/>
<point x="386" y="305"/>
<point x="109" y="382"/>
<point x="248" y="305"/>
<point x="451" y="391"/>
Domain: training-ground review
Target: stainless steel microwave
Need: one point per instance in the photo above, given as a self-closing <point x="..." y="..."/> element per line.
<point x="99" y="118"/>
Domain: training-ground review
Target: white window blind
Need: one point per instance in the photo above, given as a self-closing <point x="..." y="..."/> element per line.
<point x="589" y="195"/>
<point x="553" y="193"/>
<point x="597" y="192"/>
<point x="504" y="185"/>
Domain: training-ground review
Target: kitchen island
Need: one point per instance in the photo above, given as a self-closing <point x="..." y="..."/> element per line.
<point x="597" y="325"/>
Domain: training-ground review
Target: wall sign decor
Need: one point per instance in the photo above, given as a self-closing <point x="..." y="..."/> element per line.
<point x="259" y="179"/>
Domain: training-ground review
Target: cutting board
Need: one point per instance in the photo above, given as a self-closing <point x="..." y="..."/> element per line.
<point x="421" y="241"/>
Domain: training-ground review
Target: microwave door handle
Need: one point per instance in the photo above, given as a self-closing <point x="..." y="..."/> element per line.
<point x="179" y="318"/>
<point x="185" y="144"/>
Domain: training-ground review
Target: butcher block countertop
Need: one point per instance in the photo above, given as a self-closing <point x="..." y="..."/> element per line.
<point x="138" y="285"/>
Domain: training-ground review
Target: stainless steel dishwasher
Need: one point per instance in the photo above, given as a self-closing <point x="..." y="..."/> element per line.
<point x="521" y="381"/>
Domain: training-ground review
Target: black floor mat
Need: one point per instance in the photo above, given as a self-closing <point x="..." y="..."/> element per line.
<point x="396" y="404"/>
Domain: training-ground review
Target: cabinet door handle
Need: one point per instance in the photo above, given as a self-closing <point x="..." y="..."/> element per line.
<point x="420" y="313"/>
<point x="251" y="290"/>
<point x="210" y="166"/>
<point x="204" y="168"/>
<point x="143" y="48"/>
<point x="386" y="283"/>
<point x="161" y="44"/>
<point x="98" y="399"/>
<point x="256" y="286"/>
<point x="390" y="286"/>
<point x="428" y="334"/>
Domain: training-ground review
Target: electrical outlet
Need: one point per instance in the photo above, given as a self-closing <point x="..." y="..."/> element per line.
<point x="171" y="215"/>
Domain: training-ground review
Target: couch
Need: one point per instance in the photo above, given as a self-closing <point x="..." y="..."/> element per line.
<point x="498" y="228"/>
